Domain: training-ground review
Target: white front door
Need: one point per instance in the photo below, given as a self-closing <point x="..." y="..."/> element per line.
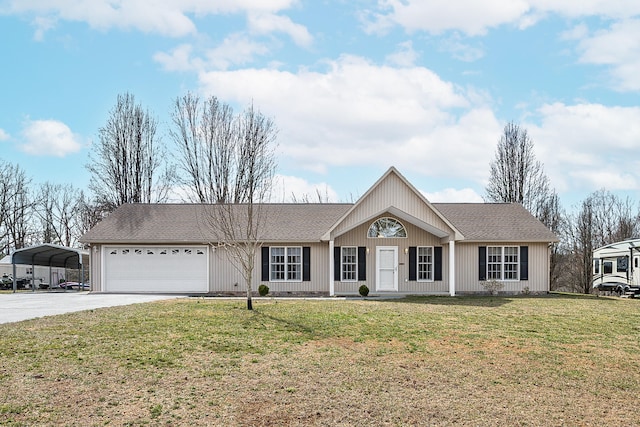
<point x="387" y="268"/>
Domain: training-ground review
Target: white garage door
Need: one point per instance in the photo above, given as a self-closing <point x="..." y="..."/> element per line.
<point x="156" y="269"/>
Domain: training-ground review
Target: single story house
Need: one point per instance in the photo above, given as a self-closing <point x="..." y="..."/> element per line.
<point x="392" y="239"/>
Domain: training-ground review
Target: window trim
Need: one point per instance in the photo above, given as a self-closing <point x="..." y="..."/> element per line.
<point x="353" y="264"/>
<point x="503" y="263"/>
<point x="286" y="264"/>
<point x="432" y="263"/>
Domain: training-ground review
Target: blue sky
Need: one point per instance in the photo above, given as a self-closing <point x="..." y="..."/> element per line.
<point x="353" y="86"/>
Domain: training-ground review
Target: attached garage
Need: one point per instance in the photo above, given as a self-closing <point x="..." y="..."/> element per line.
<point x="171" y="269"/>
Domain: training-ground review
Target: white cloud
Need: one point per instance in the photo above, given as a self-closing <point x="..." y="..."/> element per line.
<point x="166" y="17"/>
<point x="588" y="146"/>
<point x="619" y="48"/>
<point x="179" y="59"/>
<point x="292" y="188"/>
<point x="359" y="113"/>
<point x="3" y="135"/>
<point x="475" y="18"/>
<point x="405" y="56"/>
<point x="236" y="49"/>
<point x="452" y="195"/>
<point x="49" y="138"/>
<point x="468" y="16"/>
<point x="266" y="23"/>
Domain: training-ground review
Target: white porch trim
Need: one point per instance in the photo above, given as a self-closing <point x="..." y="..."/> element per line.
<point x="452" y="268"/>
<point x="332" y="290"/>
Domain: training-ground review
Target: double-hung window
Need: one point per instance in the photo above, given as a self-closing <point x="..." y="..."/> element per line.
<point x="425" y="263"/>
<point x="286" y="264"/>
<point x="349" y="264"/>
<point x="502" y="262"/>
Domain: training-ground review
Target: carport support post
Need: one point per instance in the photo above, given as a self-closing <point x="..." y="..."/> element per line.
<point x="33" y="277"/>
<point x="15" y="282"/>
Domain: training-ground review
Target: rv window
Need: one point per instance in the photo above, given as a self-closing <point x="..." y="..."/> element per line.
<point x="635" y="262"/>
<point x="608" y="267"/>
<point x="622" y="263"/>
<point x="596" y="266"/>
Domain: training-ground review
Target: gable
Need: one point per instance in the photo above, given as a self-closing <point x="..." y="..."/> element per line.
<point x="393" y="195"/>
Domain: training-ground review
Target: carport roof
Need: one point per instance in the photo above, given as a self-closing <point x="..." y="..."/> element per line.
<point x="52" y="256"/>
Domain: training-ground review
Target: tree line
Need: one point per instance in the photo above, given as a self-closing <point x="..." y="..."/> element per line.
<point x="602" y="218"/>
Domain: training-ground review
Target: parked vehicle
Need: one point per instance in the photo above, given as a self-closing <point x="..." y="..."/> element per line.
<point x="74" y="285"/>
<point x="616" y="268"/>
<point x="6" y="282"/>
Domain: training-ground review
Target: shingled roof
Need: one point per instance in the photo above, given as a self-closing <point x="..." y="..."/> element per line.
<point x="175" y="223"/>
<point x="495" y="222"/>
<point x="187" y="223"/>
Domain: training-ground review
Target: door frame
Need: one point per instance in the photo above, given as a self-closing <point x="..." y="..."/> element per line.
<point x="395" y="268"/>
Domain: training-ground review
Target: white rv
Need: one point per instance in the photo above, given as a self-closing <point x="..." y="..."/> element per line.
<point x="616" y="267"/>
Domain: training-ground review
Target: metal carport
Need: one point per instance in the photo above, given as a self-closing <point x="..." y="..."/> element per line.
<point x="50" y="255"/>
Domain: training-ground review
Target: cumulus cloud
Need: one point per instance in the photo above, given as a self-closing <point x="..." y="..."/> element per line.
<point x="267" y="23"/>
<point x="166" y="17"/>
<point x="475" y="18"/>
<point x="49" y="138"/>
<point x="295" y="189"/>
<point x="358" y="113"/>
<point x="588" y="146"/>
<point x="404" y="56"/>
<point x="3" y="135"/>
<point x="452" y="195"/>
<point x="236" y="49"/>
<point x="619" y="48"/>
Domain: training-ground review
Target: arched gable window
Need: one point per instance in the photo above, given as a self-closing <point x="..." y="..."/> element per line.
<point x="387" y="227"/>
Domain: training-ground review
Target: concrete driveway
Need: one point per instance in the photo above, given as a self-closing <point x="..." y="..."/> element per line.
<point x="27" y="305"/>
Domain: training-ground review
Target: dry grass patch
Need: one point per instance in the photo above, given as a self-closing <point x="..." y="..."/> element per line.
<point x="557" y="360"/>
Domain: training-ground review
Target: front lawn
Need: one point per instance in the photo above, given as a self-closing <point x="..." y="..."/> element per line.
<point x="553" y="360"/>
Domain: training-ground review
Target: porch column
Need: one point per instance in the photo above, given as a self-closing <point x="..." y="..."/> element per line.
<point x="332" y="291"/>
<point x="452" y="268"/>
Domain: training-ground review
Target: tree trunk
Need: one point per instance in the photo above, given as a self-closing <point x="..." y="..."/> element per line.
<point x="249" y="302"/>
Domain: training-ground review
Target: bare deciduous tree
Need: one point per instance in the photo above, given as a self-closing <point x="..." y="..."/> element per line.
<point x="58" y="209"/>
<point x="127" y="166"/>
<point x="517" y="177"/>
<point x="229" y="161"/>
<point x="17" y="205"/>
<point x="515" y="174"/>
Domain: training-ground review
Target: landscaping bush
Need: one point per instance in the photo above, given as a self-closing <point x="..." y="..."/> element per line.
<point x="263" y="290"/>
<point x="492" y="286"/>
<point x="363" y="290"/>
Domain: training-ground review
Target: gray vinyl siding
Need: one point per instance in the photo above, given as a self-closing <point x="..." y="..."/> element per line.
<point x="467" y="268"/>
<point x="224" y="277"/>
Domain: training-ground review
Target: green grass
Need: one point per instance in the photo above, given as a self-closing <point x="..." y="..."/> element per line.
<point x="554" y="360"/>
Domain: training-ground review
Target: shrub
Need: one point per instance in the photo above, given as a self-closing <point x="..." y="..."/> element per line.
<point x="263" y="290"/>
<point x="526" y="291"/>
<point x="363" y="290"/>
<point x="492" y="286"/>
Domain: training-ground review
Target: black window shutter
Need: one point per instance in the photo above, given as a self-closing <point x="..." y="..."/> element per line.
<point x="413" y="263"/>
<point x="337" y="260"/>
<point x="362" y="263"/>
<point x="306" y="264"/>
<point x="265" y="263"/>
<point x="524" y="262"/>
<point x="482" y="263"/>
<point x="437" y="263"/>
